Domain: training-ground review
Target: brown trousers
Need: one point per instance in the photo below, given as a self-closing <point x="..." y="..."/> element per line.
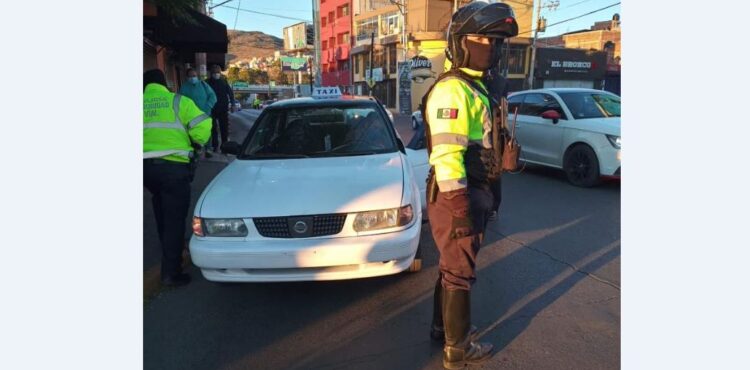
<point x="458" y="256"/>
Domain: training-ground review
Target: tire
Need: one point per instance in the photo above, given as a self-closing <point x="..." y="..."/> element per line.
<point x="413" y="123"/>
<point x="581" y="166"/>
<point x="416" y="265"/>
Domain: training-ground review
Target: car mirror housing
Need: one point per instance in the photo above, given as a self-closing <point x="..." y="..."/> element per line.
<point x="551" y="114"/>
<point x="230" y="147"/>
<point x="401" y="147"/>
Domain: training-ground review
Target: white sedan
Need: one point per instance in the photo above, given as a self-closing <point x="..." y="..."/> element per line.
<point x="577" y="130"/>
<point x="321" y="190"/>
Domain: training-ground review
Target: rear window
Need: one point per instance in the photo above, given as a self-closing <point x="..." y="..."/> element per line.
<point x="319" y="132"/>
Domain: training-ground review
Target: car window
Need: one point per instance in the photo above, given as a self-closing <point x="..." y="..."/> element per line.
<point x="319" y="132"/>
<point x="515" y="102"/>
<point x="591" y="104"/>
<point x="536" y="104"/>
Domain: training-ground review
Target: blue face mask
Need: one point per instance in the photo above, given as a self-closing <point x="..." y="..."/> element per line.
<point x="193" y="80"/>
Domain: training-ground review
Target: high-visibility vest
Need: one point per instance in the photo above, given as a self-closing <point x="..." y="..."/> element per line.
<point x="172" y="122"/>
<point x="458" y="116"/>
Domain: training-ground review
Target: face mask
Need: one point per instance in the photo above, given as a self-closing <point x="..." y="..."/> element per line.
<point x="216" y="76"/>
<point x="480" y="55"/>
<point x="193" y="80"/>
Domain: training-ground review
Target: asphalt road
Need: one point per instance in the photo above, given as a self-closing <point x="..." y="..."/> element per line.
<point x="547" y="296"/>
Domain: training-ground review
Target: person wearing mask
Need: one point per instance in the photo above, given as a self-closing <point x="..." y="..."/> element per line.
<point x="464" y="146"/>
<point x="202" y="94"/>
<point x="172" y="125"/>
<point x="220" y="112"/>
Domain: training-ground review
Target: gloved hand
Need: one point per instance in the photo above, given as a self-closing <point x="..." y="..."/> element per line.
<point x="458" y="202"/>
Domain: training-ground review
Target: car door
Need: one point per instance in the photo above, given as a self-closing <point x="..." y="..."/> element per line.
<point x="540" y="138"/>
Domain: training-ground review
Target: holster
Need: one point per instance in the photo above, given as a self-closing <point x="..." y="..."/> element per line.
<point x="432" y="186"/>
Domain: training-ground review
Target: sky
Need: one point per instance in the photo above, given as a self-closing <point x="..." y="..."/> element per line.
<point x="302" y="9"/>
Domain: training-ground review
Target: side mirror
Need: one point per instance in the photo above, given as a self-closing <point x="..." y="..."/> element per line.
<point x="551" y="114"/>
<point x="230" y="147"/>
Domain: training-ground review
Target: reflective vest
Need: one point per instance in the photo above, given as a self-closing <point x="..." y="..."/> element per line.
<point x="172" y="122"/>
<point x="458" y="116"/>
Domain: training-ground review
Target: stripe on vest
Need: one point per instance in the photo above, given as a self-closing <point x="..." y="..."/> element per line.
<point x="448" y="138"/>
<point x="164" y="153"/>
<point x="195" y="121"/>
<point x="172" y="125"/>
<point x="176" y="106"/>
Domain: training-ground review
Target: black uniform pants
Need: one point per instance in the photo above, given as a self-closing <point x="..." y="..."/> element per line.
<point x="458" y="256"/>
<point x="220" y="127"/>
<point x="169" y="185"/>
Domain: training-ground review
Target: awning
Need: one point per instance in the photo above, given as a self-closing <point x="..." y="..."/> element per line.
<point x="203" y="35"/>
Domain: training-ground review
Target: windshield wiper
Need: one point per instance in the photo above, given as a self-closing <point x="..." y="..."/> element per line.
<point x="274" y="156"/>
<point x="342" y="154"/>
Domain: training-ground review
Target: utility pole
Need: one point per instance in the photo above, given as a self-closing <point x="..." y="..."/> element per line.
<point x="316" y="25"/>
<point x="551" y="5"/>
<point x="371" y="81"/>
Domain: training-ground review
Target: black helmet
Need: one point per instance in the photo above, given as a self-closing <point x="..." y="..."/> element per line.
<point x="480" y="19"/>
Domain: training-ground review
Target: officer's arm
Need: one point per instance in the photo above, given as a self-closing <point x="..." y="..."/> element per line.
<point x="449" y="132"/>
<point x="197" y="123"/>
<point x="211" y="97"/>
<point x="231" y="93"/>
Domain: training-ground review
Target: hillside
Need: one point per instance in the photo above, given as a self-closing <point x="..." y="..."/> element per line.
<point x="244" y="45"/>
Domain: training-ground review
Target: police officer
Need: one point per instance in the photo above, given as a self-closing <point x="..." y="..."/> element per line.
<point x="172" y="124"/>
<point x="464" y="145"/>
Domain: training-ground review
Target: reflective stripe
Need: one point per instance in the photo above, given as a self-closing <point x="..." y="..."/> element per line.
<point x="176" y="106"/>
<point x="195" y="121"/>
<point x="164" y="153"/>
<point x="450" y="185"/>
<point x="173" y="125"/>
<point x="447" y="138"/>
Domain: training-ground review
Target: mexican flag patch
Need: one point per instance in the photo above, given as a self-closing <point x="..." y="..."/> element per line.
<point x="447" y="113"/>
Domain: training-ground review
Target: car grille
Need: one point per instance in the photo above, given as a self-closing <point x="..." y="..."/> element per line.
<point x="279" y="227"/>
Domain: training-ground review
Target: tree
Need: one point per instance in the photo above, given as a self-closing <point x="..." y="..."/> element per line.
<point x="233" y="74"/>
<point x="244" y="75"/>
<point x="274" y="72"/>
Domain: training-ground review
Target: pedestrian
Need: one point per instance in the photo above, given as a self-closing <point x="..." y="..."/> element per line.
<point x="172" y="124"/>
<point x="200" y="92"/>
<point x="220" y="112"/>
<point x="464" y="149"/>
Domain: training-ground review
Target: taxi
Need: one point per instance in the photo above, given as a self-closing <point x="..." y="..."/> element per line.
<point x="321" y="189"/>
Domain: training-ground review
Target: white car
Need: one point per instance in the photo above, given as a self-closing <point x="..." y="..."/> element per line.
<point x="577" y="130"/>
<point x="321" y="190"/>
<point x="416" y="119"/>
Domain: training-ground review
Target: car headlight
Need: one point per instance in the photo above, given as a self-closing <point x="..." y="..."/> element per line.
<point x="219" y="227"/>
<point x="383" y="219"/>
<point x="614" y="140"/>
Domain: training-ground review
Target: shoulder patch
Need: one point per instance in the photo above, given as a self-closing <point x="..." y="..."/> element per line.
<point x="447" y="113"/>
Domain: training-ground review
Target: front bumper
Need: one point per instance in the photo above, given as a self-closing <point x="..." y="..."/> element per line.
<point x="269" y="259"/>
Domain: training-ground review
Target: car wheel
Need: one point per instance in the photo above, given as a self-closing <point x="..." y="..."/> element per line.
<point x="413" y="123"/>
<point x="581" y="166"/>
<point x="416" y="265"/>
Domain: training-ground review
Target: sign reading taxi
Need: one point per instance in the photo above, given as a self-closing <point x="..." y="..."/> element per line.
<point x="326" y="92"/>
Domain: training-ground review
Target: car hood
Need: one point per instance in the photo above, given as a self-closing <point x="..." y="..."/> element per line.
<point x="608" y="125"/>
<point x="290" y="187"/>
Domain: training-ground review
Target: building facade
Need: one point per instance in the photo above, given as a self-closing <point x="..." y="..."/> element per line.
<point x="336" y="43"/>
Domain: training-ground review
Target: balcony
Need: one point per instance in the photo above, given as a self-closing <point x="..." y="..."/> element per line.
<point x="342" y="52"/>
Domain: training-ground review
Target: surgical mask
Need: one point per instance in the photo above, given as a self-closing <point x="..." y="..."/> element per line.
<point x="481" y="56"/>
<point x="193" y="80"/>
<point x="216" y="76"/>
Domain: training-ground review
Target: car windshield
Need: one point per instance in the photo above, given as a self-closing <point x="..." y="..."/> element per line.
<point x="591" y="104"/>
<point x="319" y="132"/>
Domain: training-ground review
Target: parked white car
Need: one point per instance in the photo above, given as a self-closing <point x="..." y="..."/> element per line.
<point x="321" y="190"/>
<point x="577" y="130"/>
<point x="416" y="119"/>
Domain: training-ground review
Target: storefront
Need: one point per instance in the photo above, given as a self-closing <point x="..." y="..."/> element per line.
<point x="556" y="67"/>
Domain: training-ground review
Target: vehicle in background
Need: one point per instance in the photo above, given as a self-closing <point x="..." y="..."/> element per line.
<point x="574" y="129"/>
<point x="416" y="119"/>
<point x="266" y="103"/>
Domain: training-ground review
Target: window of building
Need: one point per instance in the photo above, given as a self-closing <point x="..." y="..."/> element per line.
<point x="516" y="59"/>
<point x="345" y="10"/>
<point x="324" y="44"/>
<point x="389" y="24"/>
<point x="330" y="17"/>
<point x="331" y="41"/>
<point x="343" y="38"/>
<point x="323" y="22"/>
<point x="355" y="61"/>
<point x="365" y="27"/>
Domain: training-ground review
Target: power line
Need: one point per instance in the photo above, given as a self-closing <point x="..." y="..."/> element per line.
<point x="572" y="5"/>
<point x="220" y="4"/>
<point x="269" y="14"/>
<point x="574" y="18"/>
<point x="237" y="16"/>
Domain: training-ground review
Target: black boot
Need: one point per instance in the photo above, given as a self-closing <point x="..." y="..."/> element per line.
<point x="460" y="349"/>
<point x="437" y="331"/>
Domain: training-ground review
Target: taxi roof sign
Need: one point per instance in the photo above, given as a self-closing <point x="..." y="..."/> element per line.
<point x="326" y="92"/>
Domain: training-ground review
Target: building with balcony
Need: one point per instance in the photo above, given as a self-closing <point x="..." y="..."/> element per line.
<point x="336" y="43"/>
